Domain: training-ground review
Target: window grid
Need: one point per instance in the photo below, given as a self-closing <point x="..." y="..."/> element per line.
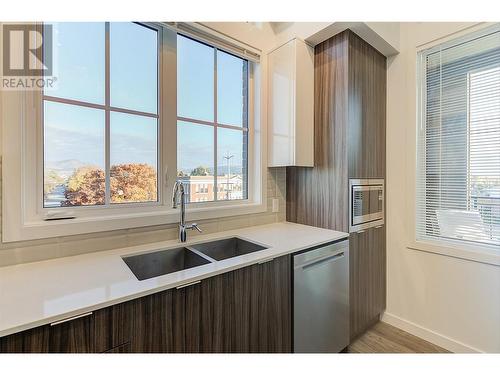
<point x="108" y="109"/>
<point x="217" y="187"/>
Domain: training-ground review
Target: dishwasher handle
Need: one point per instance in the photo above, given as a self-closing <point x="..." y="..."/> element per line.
<point x="326" y="259"/>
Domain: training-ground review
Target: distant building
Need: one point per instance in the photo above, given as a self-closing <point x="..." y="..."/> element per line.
<point x="201" y="188"/>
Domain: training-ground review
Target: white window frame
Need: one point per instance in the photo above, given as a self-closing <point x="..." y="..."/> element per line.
<point x="215" y="124"/>
<point x="416" y="77"/>
<point x="22" y="169"/>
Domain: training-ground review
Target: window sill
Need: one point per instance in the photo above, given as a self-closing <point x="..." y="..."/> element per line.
<point x="476" y="253"/>
<point x="40" y="229"/>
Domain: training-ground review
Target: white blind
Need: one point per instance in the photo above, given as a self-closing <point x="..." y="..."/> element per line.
<point x="458" y="153"/>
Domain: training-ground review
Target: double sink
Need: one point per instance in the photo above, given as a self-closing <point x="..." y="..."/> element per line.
<point x="162" y="262"/>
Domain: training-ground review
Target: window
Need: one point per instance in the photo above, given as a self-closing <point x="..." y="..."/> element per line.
<point x="212" y="121"/>
<point x="136" y="106"/>
<point x="458" y="174"/>
<point x="100" y="124"/>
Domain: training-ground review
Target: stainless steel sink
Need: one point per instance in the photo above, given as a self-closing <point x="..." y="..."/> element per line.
<point x="227" y="248"/>
<point x="146" y="266"/>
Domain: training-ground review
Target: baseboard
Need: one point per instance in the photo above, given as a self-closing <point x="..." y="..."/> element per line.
<point x="428" y="335"/>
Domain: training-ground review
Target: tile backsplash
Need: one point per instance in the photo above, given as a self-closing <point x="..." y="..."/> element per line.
<point x="32" y="251"/>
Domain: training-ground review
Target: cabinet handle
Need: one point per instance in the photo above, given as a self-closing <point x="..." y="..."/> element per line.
<point x="378" y="226"/>
<point x="70" y="319"/>
<point x="188" y="284"/>
<point x="361" y="231"/>
<point x="265" y="261"/>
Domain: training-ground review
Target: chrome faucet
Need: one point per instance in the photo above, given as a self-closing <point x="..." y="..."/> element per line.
<point x="179" y="188"/>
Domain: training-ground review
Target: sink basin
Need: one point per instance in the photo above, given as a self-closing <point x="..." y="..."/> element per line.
<point x="146" y="266"/>
<point x="227" y="248"/>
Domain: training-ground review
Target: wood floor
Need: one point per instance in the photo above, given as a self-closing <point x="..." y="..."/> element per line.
<point x="384" y="338"/>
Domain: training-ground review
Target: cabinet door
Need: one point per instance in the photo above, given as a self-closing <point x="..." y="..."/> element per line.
<point x="112" y="326"/>
<point x="187" y="317"/>
<point x="217" y="314"/>
<point x="291" y="105"/>
<point x="74" y="336"/>
<point x="152" y="329"/>
<point x="367" y="278"/>
<point x="271" y="306"/>
<point x="35" y="340"/>
<point x="248" y="310"/>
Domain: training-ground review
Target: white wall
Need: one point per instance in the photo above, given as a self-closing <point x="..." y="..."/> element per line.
<point x="452" y="302"/>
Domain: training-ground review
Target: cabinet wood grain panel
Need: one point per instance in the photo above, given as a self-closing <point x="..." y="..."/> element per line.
<point x="367" y="263"/>
<point x="212" y="315"/>
<point x="274" y="311"/>
<point x="35" y="340"/>
<point x="192" y="318"/>
<point x="113" y="326"/>
<point x="248" y="310"/>
<point x="74" y="336"/>
<point x="153" y="324"/>
<point x="367" y="110"/>
<point x="242" y="292"/>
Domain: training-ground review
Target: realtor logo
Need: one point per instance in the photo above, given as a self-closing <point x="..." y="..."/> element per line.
<point x="27" y="56"/>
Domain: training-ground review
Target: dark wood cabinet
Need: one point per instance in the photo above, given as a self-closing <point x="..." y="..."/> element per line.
<point x="153" y="329"/>
<point x="367" y="265"/>
<point x="274" y="301"/>
<point x="248" y="310"/>
<point x="35" y="340"/>
<point x="74" y="336"/>
<point x="242" y="311"/>
<point x="113" y="327"/>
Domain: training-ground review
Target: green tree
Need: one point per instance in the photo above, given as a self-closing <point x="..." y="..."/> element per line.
<point x="51" y="180"/>
<point x="200" y="171"/>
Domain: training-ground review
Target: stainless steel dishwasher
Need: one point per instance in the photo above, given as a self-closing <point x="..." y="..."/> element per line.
<point x="321" y="299"/>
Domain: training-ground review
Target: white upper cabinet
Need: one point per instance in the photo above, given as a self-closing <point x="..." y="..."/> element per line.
<point x="291" y="105"/>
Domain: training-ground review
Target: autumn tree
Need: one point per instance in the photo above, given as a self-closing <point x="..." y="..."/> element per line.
<point x="132" y="182"/>
<point x="86" y="186"/>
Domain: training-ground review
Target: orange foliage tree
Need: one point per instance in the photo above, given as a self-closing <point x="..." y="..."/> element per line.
<point x="133" y="182"/>
<point x="85" y="187"/>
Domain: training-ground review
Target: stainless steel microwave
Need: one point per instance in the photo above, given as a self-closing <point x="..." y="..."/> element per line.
<point x="366" y="203"/>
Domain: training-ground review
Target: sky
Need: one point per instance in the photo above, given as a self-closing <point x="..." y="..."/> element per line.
<point x="77" y="133"/>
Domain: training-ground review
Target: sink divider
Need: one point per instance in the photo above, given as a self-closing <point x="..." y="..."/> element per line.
<point x="211" y="260"/>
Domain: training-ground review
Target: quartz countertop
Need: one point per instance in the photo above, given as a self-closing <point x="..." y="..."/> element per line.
<point x="38" y="293"/>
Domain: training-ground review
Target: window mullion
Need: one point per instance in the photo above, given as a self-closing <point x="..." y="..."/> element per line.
<point x="107" y="131"/>
<point x="216" y="187"/>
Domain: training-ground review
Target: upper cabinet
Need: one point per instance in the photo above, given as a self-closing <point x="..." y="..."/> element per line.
<point x="291" y="105"/>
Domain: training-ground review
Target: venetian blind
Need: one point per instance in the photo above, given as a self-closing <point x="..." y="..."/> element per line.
<point x="458" y="153"/>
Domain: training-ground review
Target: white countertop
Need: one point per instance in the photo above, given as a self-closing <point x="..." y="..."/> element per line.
<point x="39" y="293"/>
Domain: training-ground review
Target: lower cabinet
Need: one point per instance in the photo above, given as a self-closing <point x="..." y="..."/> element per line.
<point x="74" y="336"/>
<point x="248" y="310"/>
<point x="367" y="291"/>
<point x="243" y="311"/>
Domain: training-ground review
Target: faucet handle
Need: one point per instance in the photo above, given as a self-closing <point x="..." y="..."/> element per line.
<point x="195" y="226"/>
